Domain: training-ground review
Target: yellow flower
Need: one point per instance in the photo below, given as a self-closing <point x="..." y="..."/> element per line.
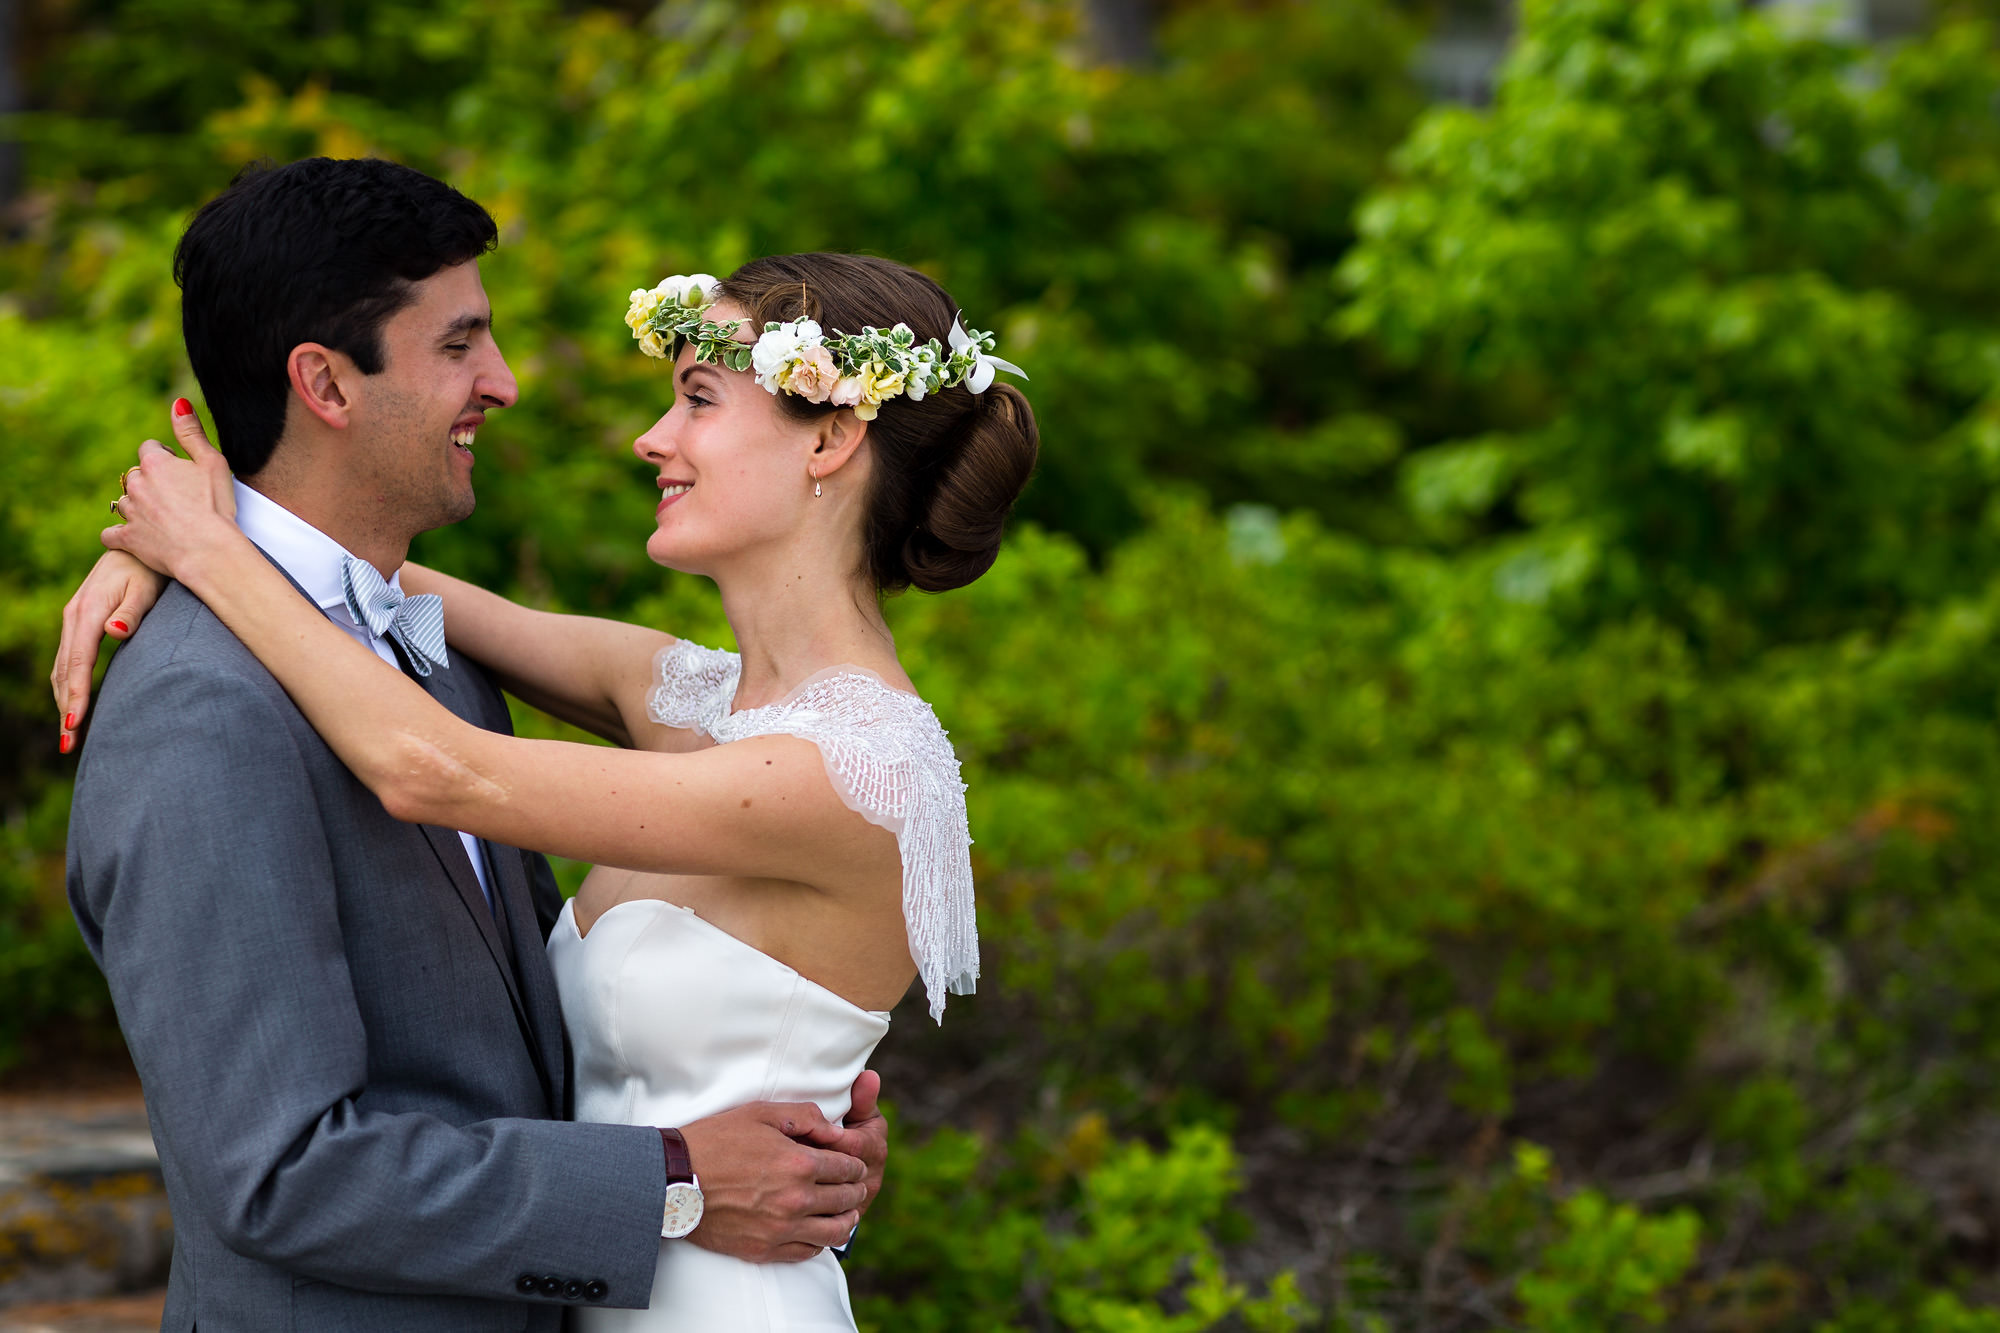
<point x="644" y="303"/>
<point x="877" y="386"/>
<point x="888" y="386"/>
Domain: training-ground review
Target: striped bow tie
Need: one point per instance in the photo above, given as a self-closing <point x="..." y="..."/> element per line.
<point x="417" y="623"/>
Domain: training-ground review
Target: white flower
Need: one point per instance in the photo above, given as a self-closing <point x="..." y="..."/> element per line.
<point x="773" y="354"/>
<point x="979" y="374"/>
<point x="688" y="289"/>
<point x="923" y="365"/>
<point x="778" y="348"/>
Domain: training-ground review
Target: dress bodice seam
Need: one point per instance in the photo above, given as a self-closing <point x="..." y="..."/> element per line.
<point x="792" y="972"/>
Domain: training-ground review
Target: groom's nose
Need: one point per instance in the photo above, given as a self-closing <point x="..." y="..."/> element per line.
<point x="495" y="386"/>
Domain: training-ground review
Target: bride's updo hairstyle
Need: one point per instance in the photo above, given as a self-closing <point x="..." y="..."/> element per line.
<point x="947" y="469"/>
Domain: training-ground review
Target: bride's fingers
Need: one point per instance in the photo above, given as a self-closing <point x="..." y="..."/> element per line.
<point x="194" y="440"/>
<point x="170" y="489"/>
<point x="88" y="617"/>
<point x="189" y="434"/>
<point x="188" y="431"/>
<point x="62" y="676"/>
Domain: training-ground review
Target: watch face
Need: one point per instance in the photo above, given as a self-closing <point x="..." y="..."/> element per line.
<point x="683" y="1210"/>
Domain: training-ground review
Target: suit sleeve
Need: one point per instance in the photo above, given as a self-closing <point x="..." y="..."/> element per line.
<point x="218" y="928"/>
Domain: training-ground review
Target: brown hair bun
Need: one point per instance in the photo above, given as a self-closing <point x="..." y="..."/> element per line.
<point x="947" y="470"/>
<point x="983" y="472"/>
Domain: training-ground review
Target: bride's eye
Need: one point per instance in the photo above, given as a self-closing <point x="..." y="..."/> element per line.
<point x="695" y="400"/>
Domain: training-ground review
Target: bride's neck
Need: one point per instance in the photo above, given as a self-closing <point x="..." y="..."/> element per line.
<point x="796" y="616"/>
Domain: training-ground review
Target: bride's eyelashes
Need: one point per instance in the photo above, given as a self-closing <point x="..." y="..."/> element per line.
<point x="695" y="400"/>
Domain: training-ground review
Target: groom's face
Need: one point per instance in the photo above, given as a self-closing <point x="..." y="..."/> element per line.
<point x="416" y="421"/>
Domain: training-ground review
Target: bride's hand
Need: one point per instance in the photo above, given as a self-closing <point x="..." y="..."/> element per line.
<point x="175" y="509"/>
<point x="114" y="598"/>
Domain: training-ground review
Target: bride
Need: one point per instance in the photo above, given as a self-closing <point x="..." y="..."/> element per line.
<point x="781" y="842"/>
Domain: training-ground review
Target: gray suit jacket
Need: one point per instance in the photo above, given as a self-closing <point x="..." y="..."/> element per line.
<point x="358" y="1102"/>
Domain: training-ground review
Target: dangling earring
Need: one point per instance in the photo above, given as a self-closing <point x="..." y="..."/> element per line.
<point x="813" y="472"/>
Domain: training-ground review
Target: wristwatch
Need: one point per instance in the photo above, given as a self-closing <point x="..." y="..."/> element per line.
<point x="684" y="1203"/>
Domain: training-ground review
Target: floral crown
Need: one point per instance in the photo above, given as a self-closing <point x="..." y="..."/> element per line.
<point x="858" y="370"/>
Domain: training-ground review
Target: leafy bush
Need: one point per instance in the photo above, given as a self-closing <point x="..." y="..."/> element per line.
<point x="1090" y="1236"/>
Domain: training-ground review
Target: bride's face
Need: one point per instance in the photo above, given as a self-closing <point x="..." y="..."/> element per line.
<point x="732" y="466"/>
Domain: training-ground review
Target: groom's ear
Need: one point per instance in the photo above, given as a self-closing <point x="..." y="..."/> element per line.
<point x="840" y="435"/>
<point x="318" y="374"/>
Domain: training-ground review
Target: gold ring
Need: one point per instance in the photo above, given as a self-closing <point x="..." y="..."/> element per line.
<point x="125" y="477"/>
<point x="115" y="503"/>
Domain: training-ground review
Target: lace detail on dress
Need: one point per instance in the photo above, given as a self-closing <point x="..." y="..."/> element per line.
<point x="890" y="760"/>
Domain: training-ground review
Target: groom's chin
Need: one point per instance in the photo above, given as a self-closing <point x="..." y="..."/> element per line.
<point x="453" y="509"/>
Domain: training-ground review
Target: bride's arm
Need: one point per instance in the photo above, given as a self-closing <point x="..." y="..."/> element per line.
<point x="762" y="807"/>
<point x="590" y="672"/>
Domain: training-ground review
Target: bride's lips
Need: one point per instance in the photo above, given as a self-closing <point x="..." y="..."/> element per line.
<point x="674" y="490"/>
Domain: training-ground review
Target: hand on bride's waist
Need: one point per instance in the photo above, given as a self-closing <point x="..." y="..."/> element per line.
<point x="780" y="1182"/>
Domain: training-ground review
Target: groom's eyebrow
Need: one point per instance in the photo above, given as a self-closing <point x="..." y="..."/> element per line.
<point x="465" y="324"/>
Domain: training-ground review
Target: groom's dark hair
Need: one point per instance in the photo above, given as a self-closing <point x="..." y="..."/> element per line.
<point x="321" y="250"/>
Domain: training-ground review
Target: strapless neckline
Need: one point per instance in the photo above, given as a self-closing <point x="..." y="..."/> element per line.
<point x="697" y="919"/>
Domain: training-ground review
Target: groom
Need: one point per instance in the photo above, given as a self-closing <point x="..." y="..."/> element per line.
<point x="353" y="1058"/>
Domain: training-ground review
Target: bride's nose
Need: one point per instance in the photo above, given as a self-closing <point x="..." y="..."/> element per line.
<point x="654" y="446"/>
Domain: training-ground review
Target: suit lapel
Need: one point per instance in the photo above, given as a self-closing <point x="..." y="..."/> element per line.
<point x="538" y="992"/>
<point x="450" y="849"/>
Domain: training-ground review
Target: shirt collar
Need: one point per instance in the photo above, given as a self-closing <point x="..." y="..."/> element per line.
<point x="312" y="558"/>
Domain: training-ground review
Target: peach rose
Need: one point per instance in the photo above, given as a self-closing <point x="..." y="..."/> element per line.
<point x="813" y="376"/>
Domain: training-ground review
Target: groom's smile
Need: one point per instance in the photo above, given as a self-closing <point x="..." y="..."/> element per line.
<point x="417" y="419"/>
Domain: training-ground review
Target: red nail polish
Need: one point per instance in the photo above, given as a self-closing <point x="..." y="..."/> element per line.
<point x="64" y="744"/>
<point x="119" y="625"/>
<point x="69" y="721"/>
<point x="183" y="408"/>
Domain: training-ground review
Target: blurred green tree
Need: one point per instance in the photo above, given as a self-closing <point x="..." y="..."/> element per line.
<point x="1738" y="286"/>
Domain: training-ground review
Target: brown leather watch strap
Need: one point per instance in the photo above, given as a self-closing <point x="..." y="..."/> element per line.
<point x="680" y="1163"/>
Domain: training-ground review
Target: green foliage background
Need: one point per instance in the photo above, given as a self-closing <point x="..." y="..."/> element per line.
<point x="1482" y="748"/>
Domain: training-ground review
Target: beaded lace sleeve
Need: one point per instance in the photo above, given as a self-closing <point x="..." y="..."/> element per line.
<point x="889" y="759"/>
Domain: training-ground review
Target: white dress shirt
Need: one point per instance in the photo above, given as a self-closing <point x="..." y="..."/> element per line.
<point x="314" y="559"/>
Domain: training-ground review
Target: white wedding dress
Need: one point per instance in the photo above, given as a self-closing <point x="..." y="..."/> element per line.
<point x="673" y="1019"/>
